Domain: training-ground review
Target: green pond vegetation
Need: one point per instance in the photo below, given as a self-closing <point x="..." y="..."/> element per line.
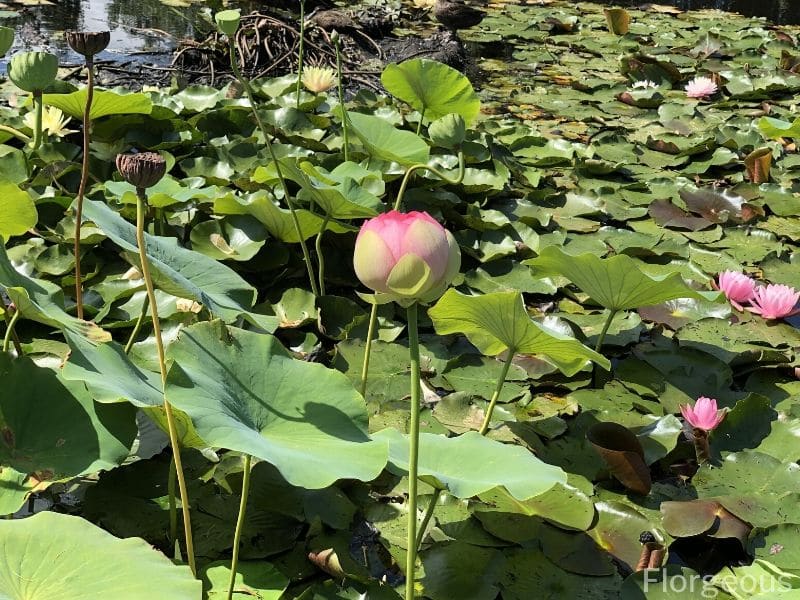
<point x="200" y="413"/>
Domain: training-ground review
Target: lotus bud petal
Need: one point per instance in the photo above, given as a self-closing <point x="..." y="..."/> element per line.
<point x="334" y="37"/>
<point x="228" y="21"/>
<point x="703" y="415"/>
<point x="33" y="71"/>
<point x="88" y="43"/>
<point x="142" y="170"/>
<point x="6" y="40"/>
<point x="406" y="256"/>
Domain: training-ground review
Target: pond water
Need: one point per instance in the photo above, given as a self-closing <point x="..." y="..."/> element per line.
<point x="784" y="12"/>
<point x="148" y="30"/>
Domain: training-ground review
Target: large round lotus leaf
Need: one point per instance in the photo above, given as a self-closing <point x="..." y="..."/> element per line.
<point x="17" y="211"/>
<point x="617" y="283"/>
<point x="58" y="557"/>
<point x="498" y="321"/>
<point x="104" y="103"/>
<point x="432" y="87"/>
<point x="471" y="464"/>
<point x="52" y="428"/>
<point x="244" y="392"/>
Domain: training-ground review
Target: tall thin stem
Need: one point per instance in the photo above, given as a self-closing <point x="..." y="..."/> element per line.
<point x="87" y="124"/>
<point x="10" y="326"/>
<point x="173" y="506"/>
<point x="602" y="337"/>
<point x="413" y="454"/>
<point x="138" y="326"/>
<point x="341" y="98"/>
<point x="498" y="388"/>
<point x="419" y="125"/>
<point x="427" y="518"/>
<point x="162" y="365"/>
<point x="237" y="535"/>
<point x="373" y="320"/>
<point x="10" y="331"/>
<point x="418" y="167"/>
<point x="320" y="256"/>
<point x="249" y="93"/>
<point x="300" y="51"/>
<point x="37" y="128"/>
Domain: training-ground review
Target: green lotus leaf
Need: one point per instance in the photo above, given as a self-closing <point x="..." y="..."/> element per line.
<point x="104" y="103"/>
<point x="244" y="392"/>
<point x="432" y="88"/>
<point x="60" y="557"/>
<point x="42" y="301"/>
<point x="385" y="142"/>
<point x="616" y="283"/>
<point x="181" y="272"/>
<point x="17" y="210"/>
<point x="472" y="464"/>
<point x="33" y="71"/>
<point x="498" y="322"/>
<point x="6" y="40"/>
<point x="256" y="579"/>
<point x="448" y="131"/>
<point x="67" y="434"/>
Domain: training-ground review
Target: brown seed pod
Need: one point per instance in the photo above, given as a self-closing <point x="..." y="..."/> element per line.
<point x="88" y="43"/>
<point x="142" y="170"/>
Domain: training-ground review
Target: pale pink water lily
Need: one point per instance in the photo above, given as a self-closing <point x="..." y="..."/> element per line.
<point x="701" y="87"/>
<point x="737" y="287"/>
<point x="406" y="256"/>
<point x="704" y="414"/>
<point x="774" y="301"/>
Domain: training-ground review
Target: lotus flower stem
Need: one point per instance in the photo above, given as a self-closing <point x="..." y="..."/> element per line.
<point x="16" y="133"/>
<point x="138" y="326"/>
<point x="173" y="433"/>
<point x="413" y="454"/>
<point x="11" y="322"/>
<point x="373" y="320"/>
<point x="173" y="505"/>
<point x="320" y="255"/>
<point x="701" y="448"/>
<point x="498" y="388"/>
<point x="37" y="131"/>
<point x="237" y="535"/>
<point x="602" y="337"/>
<point x="458" y="179"/>
<point x="300" y="51"/>
<point x="87" y="124"/>
<point x="346" y="142"/>
<point x="249" y="93"/>
<point x="427" y="518"/>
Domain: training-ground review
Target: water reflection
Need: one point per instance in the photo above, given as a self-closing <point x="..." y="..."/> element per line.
<point x="783" y="12"/>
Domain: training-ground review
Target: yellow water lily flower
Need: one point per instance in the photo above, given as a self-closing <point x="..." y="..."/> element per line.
<point x="53" y="122"/>
<point x="318" y="79"/>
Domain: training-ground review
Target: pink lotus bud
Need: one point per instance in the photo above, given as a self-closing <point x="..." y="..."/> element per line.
<point x="737" y="287"/>
<point x="701" y="87"/>
<point x="407" y="256"/>
<point x="774" y="301"/>
<point x="704" y="415"/>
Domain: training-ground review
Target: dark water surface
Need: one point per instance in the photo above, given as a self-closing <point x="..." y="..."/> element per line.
<point x="782" y="12"/>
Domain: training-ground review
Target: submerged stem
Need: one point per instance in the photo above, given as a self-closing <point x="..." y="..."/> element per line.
<point x="296" y="222"/>
<point x="162" y="365"/>
<point x="237" y="535"/>
<point x="413" y="454"/>
<point x="373" y="319"/>
<point x="498" y="388"/>
<point x="87" y="124"/>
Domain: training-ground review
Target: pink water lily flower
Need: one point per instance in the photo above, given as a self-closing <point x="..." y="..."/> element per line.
<point x="774" y="301"/>
<point x="737" y="287"/>
<point x="704" y="415"/>
<point x="701" y="87"/>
